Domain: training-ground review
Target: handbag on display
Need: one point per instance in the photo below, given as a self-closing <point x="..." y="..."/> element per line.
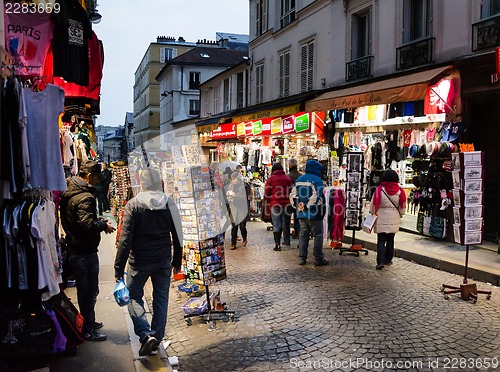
<point x="369" y="222"/>
<point x="70" y="319"/>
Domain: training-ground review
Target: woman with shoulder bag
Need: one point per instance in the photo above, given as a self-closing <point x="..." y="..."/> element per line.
<point x="389" y="203"/>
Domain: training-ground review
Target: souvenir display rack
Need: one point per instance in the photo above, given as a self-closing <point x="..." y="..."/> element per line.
<point x="354" y="197"/>
<point x="203" y="249"/>
<point x="467" y="214"/>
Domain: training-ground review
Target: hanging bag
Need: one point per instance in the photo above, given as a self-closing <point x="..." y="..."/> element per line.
<point x="369" y="222"/>
<point x="121" y="293"/>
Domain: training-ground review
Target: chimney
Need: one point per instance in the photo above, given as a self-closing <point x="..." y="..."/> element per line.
<point x="181" y="39"/>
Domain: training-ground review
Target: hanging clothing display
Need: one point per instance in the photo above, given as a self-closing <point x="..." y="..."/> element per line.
<point x="72" y="30"/>
<point x="27" y="38"/>
<point x="42" y="114"/>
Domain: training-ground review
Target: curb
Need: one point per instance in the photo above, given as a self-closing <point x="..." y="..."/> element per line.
<point x="435" y="263"/>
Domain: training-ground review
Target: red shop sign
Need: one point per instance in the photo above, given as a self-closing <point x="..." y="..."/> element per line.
<point x="224" y="131"/>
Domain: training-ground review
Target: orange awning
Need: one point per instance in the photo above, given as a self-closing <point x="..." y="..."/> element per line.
<point x="405" y="88"/>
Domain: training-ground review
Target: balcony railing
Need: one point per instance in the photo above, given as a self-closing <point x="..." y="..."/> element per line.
<point x="359" y="68"/>
<point x="486" y="34"/>
<point x="415" y="54"/>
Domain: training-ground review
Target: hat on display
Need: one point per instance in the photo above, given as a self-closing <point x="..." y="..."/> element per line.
<point x="455" y="130"/>
<point x="432" y="148"/>
<point x="90" y="166"/>
<point x="413" y="150"/>
<point x="422" y="152"/>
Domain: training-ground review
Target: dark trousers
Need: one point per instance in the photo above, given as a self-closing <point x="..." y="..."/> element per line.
<point x="86" y="270"/>
<point x="281" y="221"/>
<point x="306" y="227"/>
<point x="234" y="231"/>
<point x="160" y="278"/>
<point x="102" y="202"/>
<point x="385" y="248"/>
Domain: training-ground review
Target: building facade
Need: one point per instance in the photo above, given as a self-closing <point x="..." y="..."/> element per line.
<point x="146" y="113"/>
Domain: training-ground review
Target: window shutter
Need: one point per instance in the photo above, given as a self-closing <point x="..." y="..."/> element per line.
<point x="287" y="75"/>
<point x="310" y="63"/>
<point x="303" y="68"/>
<point x="282" y="75"/>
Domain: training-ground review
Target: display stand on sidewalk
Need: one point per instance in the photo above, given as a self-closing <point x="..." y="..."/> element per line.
<point x="467" y="214"/>
<point x="354" y="192"/>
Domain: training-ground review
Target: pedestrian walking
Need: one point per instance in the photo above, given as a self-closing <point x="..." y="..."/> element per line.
<point x="308" y="198"/>
<point x="277" y="196"/>
<point x="389" y="203"/>
<point x="151" y="226"/>
<point x="293" y="173"/>
<point x="101" y="190"/>
<point x="238" y="197"/>
<point x="82" y="230"/>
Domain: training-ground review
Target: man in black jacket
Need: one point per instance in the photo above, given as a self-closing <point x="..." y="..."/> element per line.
<point x="293" y="173"/>
<point x="151" y="225"/>
<point x="83" y="234"/>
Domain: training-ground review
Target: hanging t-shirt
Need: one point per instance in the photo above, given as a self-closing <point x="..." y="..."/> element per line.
<point x="407" y="134"/>
<point x="431" y="133"/>
<point x="72" y="30"/>
<point x="42" y="114"/>
<point x="27" y="38"/>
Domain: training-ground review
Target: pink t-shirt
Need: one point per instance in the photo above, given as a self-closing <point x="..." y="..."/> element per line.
<point x="27" y="39"/>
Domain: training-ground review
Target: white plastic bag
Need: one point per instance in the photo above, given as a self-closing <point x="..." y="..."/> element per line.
<point x="369" y="222"/>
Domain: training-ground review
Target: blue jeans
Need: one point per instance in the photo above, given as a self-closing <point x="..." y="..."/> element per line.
<point x="281" y="221"/>
<point x="385" y="248"/>
<point x="306" y="226"/>
<point x="86" y="270"/>
<point x="160" y="278"/>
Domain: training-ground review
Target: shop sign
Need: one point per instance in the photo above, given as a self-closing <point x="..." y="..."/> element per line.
<point x="276" y="126"/>
<point x="257" y="127"/>
<point x="248" y="128"/>
<point x="279" y="111"/>
<point x="224" y="131"/>
<point x="191" y="154"/>
<point x="288" y="124"/>
<point x="302" y="123"/>
<point x="240" y="129"/>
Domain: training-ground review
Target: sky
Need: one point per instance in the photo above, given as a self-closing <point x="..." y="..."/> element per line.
<point x="128" y="27"/>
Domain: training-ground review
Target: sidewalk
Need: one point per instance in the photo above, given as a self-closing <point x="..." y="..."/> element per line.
<point x="484" y="261"/>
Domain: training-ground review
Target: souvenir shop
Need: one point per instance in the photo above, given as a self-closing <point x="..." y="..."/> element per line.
<point x="50" y="87"/>
<point x="415" y="136"/>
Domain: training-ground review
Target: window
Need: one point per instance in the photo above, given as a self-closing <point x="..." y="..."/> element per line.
<point x="216" y="99"/>
<point x="259" y="83"/>
<point x="361" y="34"/>
<point x="416" y="19"/>
<point x="226" y="95"/>
<point x="287" y="12"/>
<point x="306" y="66"/>
<point x="206" y="107"/>
<point x="166" y="54"/>
<point x="194" y="80"/>
<point x="284" y="74"/>
<point x="490" y="8"/>
<point x="261" y="17"/>
<point x="239" y="90"/>
<point x="194" y="107"/>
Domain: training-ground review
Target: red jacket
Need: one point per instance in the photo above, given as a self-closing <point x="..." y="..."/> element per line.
<point x="278" y="188"/>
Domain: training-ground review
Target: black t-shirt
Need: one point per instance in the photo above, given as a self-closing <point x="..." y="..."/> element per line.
<point x="72" y="30"/>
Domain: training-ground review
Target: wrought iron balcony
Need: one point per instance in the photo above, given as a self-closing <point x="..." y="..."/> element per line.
<point x="359" y="68"/>
<point x="486" y="34"/>
<point x="415" y="54"/>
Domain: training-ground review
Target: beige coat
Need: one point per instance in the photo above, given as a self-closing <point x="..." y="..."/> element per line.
<point x="388" y="220"/>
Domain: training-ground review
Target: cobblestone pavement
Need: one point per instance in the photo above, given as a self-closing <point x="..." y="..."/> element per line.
<point x="345" y="316"/>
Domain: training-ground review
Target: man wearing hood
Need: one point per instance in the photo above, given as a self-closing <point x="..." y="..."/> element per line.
<point x="308" y="198"/>
<point x="83" y="234"/>
<point x="151" y="225"/>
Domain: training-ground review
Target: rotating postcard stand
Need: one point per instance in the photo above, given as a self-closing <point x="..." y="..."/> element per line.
<point x="467" y="214"/>
<point x="203" y="250"/>
<point x="354" y="196"/>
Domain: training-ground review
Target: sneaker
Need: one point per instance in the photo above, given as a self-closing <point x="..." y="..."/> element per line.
<point x="323" y="262"/>
<point x="302" y="261"/>
<point x="379" y="267"/>
<point x="148" y="345"/>
<point x="244" y="243"/>
<point x="94" y="336"/>
<point x="287" y="243"/>
<point x="232" y="246"/>
<point x="97" y="325"/>
<point x="277" y="248"/>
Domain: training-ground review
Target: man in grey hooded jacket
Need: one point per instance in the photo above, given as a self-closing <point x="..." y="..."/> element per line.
<point x="151" y="225"/>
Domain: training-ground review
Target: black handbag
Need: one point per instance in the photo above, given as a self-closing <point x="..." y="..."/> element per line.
<point x="25" y="334"/>
<point x="70" y="319"/>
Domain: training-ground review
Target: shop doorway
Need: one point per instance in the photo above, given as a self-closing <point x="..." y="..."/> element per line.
<point x="482" y="123"/>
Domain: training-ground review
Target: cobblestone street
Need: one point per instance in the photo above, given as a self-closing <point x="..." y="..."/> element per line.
<point x="345" y="316"/>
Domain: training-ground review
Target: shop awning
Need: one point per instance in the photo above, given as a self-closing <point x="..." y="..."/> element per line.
<point x="405" y="88"/>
